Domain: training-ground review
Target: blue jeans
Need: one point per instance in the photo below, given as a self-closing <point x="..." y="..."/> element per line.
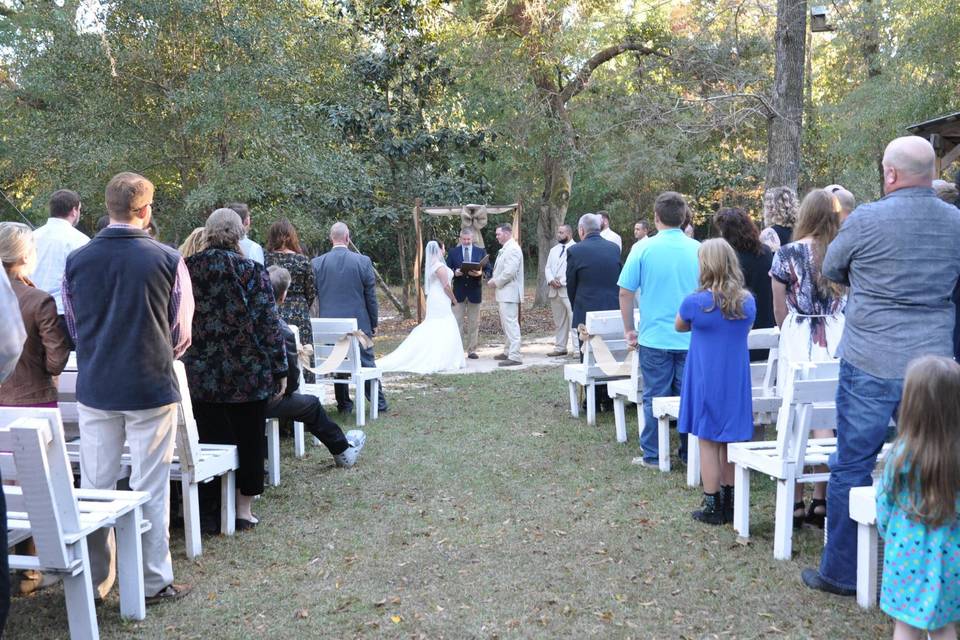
<point x="662" y="371"/>
<point x="865" y="405"/>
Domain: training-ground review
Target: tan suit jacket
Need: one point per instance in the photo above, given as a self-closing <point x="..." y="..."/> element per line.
<point x="508" y="273"/>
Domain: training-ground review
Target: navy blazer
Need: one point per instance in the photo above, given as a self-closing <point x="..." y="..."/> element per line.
<point x="466" y="287"/>
<point x="593" y="267"/>
<point x="346" y="287"/>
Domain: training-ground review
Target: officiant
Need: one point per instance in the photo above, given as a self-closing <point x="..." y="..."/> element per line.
<point x="468" y="287"/>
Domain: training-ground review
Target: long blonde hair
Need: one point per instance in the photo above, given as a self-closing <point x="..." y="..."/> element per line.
<point x="195" y="242"/>
<point x="928" y="442"/>
<point x="18" y="251"/>
<point x="720" y="274"/>
<point x="819" y="220"/>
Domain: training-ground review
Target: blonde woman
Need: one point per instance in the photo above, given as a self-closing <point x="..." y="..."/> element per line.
<point x="46" y="350"/>
<point x="716" y="405"/>
<point x="780" y="207"/>
<point x="809" y="310"/>
<point x="195" y="243"/>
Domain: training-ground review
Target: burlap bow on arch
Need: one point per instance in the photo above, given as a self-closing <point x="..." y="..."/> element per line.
<point x="474" y="216"/>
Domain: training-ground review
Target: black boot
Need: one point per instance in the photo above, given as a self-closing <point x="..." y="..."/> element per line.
<point x="726" y="496"/>
<point x="712" y="512"/>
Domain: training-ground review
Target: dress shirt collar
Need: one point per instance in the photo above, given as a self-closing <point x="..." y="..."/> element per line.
<point x="59" y="222"/>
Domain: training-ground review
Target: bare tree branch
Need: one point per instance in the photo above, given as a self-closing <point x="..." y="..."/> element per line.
<point x="580" y="81"/>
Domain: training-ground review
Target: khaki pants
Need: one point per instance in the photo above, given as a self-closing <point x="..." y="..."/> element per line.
<point x="510" y="321"/>
<point x="471" y="312"/>
<point x="562" y="313"/>
<point x="151" y="434"/>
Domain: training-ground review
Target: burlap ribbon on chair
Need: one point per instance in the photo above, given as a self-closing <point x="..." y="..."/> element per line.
<point x="474" y="216"/>
<point x="605" y="360"/>
<point x="337" y="355"/>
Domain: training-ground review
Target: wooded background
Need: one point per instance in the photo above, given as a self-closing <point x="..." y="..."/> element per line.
<point x="341" y="109"/>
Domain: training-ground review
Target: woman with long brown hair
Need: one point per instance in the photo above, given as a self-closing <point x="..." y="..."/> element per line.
<point x="809" y="310"/>
<point x="716" y="405"/>
<point x="283" y="250"/>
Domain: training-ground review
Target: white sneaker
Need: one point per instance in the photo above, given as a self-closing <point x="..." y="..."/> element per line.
<point x="640" y="462"/>
<point x="348" y="458"/>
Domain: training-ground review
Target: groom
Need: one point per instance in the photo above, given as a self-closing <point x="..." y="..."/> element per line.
<point x="467" y="288"/>
<point x="508" y="281"/>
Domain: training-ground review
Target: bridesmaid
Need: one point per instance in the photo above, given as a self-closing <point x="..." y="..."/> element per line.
<point x="283" y="250"/>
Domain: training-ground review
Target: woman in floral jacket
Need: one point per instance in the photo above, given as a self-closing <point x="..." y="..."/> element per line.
<point x="236" y="362"/>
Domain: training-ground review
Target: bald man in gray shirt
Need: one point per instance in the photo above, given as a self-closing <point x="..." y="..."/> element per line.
<point x="901" y="259"/>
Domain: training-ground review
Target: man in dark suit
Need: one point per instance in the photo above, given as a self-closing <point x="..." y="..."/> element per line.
<point x="468" y="289"/>
<point x="593" y="266"/>
<point x="346" y="288"/>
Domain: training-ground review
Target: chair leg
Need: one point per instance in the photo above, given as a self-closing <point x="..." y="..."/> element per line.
<point x="191" y="516"/>
<point x="374" y="398"/>
<point x="228" y="503"/>
<point x="360" y="404"/>
<point x="783" y="527"/>
<point x="867" y="565"/>
<point x="641" y="420"/>
<point x="130" y="566"/>
<point x="273" y="451"/>
<point x="620" y="418"/>
<point x="663" y="442"/>
<point x="299" y="450"/>
<point x="741" y="501"/>
<point x="574" y="400"/>
<point x="78" y="591"/>
<point x="591" y="404"/>
<point x="693" y="460"/>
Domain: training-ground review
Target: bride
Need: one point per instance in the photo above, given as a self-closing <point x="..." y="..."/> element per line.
<point x="435" y="344"/>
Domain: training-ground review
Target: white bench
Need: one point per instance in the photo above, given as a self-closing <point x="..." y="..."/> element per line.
<point x="327" y="332"/>
<point x="863" y="511"/>
<point x="46" y="507"/>
<point x="193" y="463"/>
<point x="607" y="325"/>
<point x="766" y="403"/>
<point x="622" y="391"/>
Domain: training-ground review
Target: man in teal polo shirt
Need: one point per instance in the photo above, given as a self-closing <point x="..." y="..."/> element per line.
<point x="666" y="270"/>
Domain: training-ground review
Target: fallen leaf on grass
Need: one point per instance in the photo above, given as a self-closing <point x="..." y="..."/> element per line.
<point x="537" y="434"/>
<point x="395" y="619"/>
<point x="301" y="614"/>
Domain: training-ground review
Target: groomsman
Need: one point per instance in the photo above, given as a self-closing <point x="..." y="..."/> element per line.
<point x="556" y="272"/>
<point x="468" y="289"/>
<point x="508" y="280"/>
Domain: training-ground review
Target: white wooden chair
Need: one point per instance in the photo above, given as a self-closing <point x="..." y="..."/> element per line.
<point x="46" y="507"/>
<point x="194" y="463"/>
<point x="766" y="403"/>
<point x="622" y="391"/>
<point x="608" y="325"/>
<point x="863" y="511"/>
<point x="273" y="432"/>
<point x="327" y="332"/>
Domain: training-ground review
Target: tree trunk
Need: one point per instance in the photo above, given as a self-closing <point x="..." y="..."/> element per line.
<point x="553" y="211"/>
<point x="786" y="122"/>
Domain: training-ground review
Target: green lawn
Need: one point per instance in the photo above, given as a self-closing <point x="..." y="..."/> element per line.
<point x="480" y="509"/>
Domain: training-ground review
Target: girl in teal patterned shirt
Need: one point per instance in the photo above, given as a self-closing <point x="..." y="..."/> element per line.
<point x="917" y="505"/>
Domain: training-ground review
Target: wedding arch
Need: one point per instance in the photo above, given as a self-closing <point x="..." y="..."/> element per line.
<point x="472" y="216"/>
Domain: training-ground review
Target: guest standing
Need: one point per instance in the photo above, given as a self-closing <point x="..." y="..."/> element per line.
<point x="249" y="248"/>
<point x="716" y="404"/>
<point x="556" y="275"/>
<point x="195" y="243"/>
<point x="755" y="259"/>
<point x="780" y="207"/>
<point x="283" y="250"/>
<point x="237" y="361"/>
<point x="607" y="233"/>
<point x="901" y="260"/>
<point x="128" y="304"/>
<point x="46" y="350"/>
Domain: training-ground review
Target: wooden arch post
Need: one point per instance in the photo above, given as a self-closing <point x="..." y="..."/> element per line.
<point x="471" y="215"/>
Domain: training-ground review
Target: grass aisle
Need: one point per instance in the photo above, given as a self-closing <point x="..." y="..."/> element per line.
<point x="480" y="509"/>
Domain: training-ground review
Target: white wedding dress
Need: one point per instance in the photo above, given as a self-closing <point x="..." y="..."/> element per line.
<point x="435" y="344"/>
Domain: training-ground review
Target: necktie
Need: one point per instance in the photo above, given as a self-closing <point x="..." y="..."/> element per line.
<point x="466" y="257"/>
<point x="563" y="248"/>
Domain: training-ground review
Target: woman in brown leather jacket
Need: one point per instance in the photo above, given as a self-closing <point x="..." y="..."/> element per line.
<point x="46" y="350"/>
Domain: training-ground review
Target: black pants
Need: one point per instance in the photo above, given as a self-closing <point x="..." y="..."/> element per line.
<point x="342" y="393"/>
<point x="309" y="411"/>
<point x="4" y="564"/>
<point x="242" y="424"/>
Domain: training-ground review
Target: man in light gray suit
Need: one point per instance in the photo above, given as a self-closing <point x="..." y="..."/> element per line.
<point x="346" y="288"/>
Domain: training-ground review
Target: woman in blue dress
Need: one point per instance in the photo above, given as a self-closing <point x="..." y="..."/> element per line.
<point x="918" y="502"/>
<point x="716" y="404"/>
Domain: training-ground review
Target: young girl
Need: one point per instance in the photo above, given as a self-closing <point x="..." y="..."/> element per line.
<point x="918" y="500"/>
<point x="716" y="405"/>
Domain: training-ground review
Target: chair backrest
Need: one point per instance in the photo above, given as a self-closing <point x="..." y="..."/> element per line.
<point x="609" y="326"/>
<point x="33" y="453"/>
<point x="67" y="400"/>
<point x="808" y="403"/>
<point x="296" y="339"/>
<point x="188" y="440"/>
<point x="765" y="339"/>
<point x="326" y="333"/>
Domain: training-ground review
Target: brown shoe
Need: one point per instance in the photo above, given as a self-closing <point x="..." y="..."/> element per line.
<point x="509" y="363"/>
<point x="169" y="593"/>
<point x="499" y="356"/>
<point x="472" y="355"/>
<point x="556" y="353"/>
